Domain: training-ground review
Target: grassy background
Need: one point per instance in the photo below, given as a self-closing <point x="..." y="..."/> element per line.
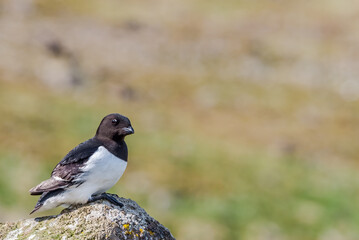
<point x="245" y="112"/>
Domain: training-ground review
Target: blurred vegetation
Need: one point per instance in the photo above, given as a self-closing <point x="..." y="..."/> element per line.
<point x="245" y="112"/>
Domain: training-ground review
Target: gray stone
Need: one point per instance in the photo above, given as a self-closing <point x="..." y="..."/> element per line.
<point x="97" y="220"/>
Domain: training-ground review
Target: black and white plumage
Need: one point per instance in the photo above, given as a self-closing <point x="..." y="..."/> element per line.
<point x="89" y="169"/>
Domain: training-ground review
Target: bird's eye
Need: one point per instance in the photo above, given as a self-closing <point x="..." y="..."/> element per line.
<point x="114" y="121"/>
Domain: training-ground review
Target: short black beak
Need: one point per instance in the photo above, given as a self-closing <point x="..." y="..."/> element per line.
<point x="128" y="130"/>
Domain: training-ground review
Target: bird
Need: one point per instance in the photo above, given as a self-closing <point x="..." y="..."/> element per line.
<point x="90" y="169"/>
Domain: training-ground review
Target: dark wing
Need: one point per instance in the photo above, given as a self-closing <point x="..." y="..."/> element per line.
<point x="81" y="152"/>
<point x="67" y="170"/>
<point x="70" y="166"/>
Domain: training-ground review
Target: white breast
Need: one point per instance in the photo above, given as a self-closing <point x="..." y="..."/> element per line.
<point x="103" y="170"/>
<point x="103" y="160"/>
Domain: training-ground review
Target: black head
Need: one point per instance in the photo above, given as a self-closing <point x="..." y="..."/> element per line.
<point x="114" y="126"/>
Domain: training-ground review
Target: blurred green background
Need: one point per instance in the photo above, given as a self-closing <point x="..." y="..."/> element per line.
<point x="246" y="112"/>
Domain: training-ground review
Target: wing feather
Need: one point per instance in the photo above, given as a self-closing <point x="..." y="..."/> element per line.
<point x="48" y="185"/>
<point x="66" y="171"/>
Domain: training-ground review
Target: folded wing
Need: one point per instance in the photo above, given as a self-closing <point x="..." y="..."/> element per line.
<point x="68" y="169"/>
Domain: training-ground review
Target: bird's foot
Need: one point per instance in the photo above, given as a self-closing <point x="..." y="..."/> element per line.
<point x="105" y="196"/>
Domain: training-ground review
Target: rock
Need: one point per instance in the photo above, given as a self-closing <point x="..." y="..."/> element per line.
<point x="97" y="220"/>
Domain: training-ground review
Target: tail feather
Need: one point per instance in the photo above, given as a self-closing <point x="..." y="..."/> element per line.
<point x="37" y="207"/>
<point x="45" y="196"/>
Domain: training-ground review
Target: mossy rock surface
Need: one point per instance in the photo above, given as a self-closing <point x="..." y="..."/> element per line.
<point x="98" y="220"/>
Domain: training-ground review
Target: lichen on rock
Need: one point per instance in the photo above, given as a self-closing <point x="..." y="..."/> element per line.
<point x="97" y="220"/>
